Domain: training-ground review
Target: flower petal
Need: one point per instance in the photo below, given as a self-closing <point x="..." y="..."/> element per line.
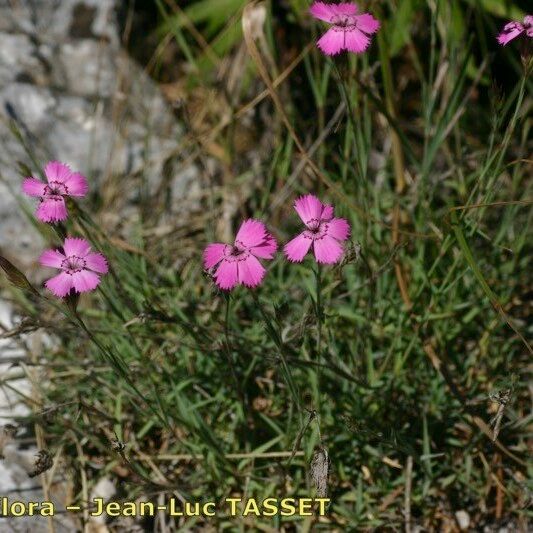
<point x="227" y="275"/>
<point x="52" y="258"/>
<point x="344" y="8"/>
<point x="85" y="281"/>
<point x="309" y="208"/>
<point x="76" y="246"/>
<point x="251" y="272"/>
<point x="296" y="249"/>
<point x="332" y="42"/>
<point x="57" y="171"/>
<point x="52" y="209"/>
<point x="60" y="285"/>
<point x="214" y="253"/>
<point x="321" y="11"/>
<point x="251" y="233"/>
<point x="77" y="185"/>
<point x="328" y="12"/>
<point x="267" y="249"/>
<point x="510" y="31"/>
<point x="338" y="228"/>
<point x="33" y="187"/>
<point x="367" y="23"/>
<point x="327" y="250"/>
<point x="356" y="41"/>
<point x="96" y="262"/>
<point x="327" y="212"/>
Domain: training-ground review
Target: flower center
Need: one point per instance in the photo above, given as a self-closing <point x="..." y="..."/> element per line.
<point x="236" y="252"/>
<point x="316" y="229"/>
<point x="55" y="188"/>
<point x="73" y="264"/>
<point x="238" y="248"/>
<point x="313" y="224"/>
<point x="344" y="21"/>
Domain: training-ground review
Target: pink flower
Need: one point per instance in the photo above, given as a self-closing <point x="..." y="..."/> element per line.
<point x="513" y="29"/>
<point x="61" y="182"/>
<point x="349" y="31"/>
<point x="79" y="267"/>
<point x="324" y="232"/>
<point x="238" y="263"/>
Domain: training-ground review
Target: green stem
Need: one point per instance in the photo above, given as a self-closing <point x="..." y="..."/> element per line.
<point x="319" y="317"/>
<point x="227" y="351"/>
<point x="276" y="338"/>
<point x="493" y="298"/>
<point x="120" y="366"/>
<point x="359" y="171"/>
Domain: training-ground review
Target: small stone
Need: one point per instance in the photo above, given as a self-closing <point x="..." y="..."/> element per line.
<point x="463" y="520"/>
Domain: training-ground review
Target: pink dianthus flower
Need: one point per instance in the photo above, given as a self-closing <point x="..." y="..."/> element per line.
<point x="239" y="263"/>
<point x="513" y="29"/>
<point x="62" y="182"/>
<point x="80" y="268"/>
<point x="349" y="30"/>
<point x="324" y="233"/>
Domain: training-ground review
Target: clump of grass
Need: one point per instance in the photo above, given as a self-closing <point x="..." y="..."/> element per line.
<point x="393" y="361"/>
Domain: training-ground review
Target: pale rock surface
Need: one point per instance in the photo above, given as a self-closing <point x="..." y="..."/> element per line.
<point x="75" y="96"/>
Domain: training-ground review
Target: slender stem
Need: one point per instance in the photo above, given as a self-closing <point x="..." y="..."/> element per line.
<point x="319" y="317"/>
<point x="344" y="89"/>
<point x="119" y="365"/>
<point x="227" y="351"/>
<point x="276" y="338"/>
<point x="397" y="152"/>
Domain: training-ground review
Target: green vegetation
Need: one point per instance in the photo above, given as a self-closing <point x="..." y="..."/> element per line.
<point x="398" y="360"/>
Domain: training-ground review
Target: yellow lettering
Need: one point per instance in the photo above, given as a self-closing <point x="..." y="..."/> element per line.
<point x="287" y="507"/>
<point x="192" y="511"/>
<point x="251" y="507"/>
<point x="322" y="502"/>
<point x="113" y="509"/>
<point x="172" y="511"/>
<point x="206" y="510"/>
<point x="17" y="509"/>
<point x="306" y="507"/>
<point x="47" y="509"/>
<point x="269" y="507"/>
<point x="99" y="507"/>
<point x="147" y="509"/>
<point x="233" y="505"/>
<point x="129" y="509"/>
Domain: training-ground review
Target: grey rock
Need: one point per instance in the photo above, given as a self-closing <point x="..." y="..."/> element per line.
<point x="15" y="483"/>
<point x="69" y="92"/>
<point x="87" y="68"/>
<point x="58" y="20"/>
<point x="75" y="96"/>
<point x="17" y="56"/>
